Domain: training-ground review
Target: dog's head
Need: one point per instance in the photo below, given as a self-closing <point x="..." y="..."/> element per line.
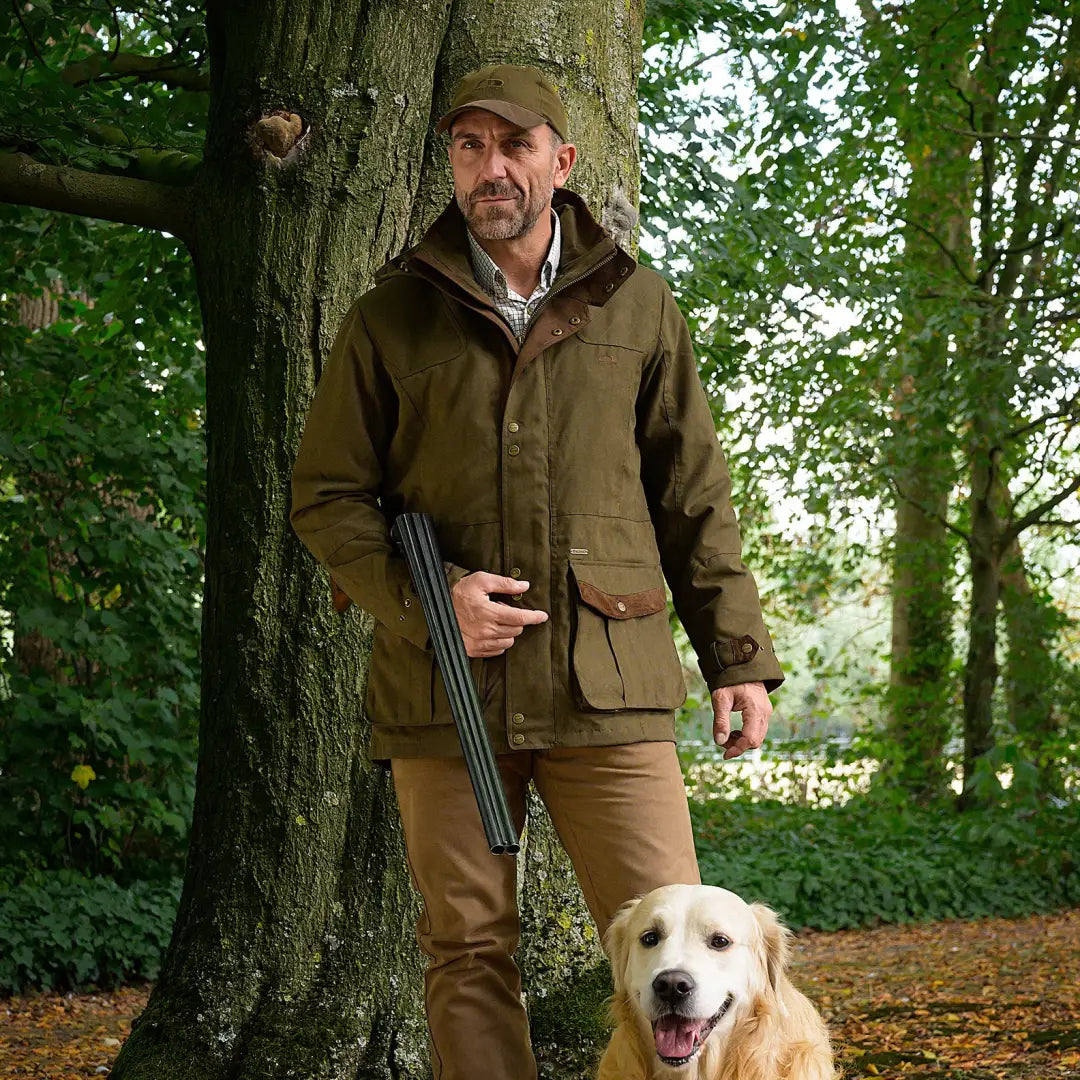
<point x="689" y="959"/>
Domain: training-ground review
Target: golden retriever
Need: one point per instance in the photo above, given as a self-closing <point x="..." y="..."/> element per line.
<point x="701" y="993"/>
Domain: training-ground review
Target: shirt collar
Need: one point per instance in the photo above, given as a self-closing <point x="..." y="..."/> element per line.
<point x="492" y="279"/>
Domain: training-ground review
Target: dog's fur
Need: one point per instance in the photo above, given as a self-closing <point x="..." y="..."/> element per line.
<point x="768" y="1030"/>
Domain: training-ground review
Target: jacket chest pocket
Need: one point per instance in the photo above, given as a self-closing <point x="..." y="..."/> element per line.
<point x="622" y="654"/>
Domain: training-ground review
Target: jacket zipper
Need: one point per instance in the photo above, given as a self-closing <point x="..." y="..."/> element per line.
<point x="565" y="285"/>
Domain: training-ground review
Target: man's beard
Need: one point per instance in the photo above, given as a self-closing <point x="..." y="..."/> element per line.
<point x="501" y="221"/>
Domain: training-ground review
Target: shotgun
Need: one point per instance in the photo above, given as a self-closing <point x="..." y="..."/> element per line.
<point x="414" y="535"/>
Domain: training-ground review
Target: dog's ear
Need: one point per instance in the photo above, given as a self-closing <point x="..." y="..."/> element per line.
<point x="776" y="939"/>
<point x="616" y="945"/>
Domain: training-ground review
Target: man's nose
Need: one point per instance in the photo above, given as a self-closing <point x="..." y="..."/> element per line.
<point x="673" y="986"/>
<point x="493" y="167"/>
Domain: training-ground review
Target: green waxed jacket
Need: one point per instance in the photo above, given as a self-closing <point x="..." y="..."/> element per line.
<point x="584" y="461"/>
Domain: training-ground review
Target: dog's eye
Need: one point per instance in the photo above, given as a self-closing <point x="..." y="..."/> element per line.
<point x="650" y="939"/>
<point x="719" y="942"/>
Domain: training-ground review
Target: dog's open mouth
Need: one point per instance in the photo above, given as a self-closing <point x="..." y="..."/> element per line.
<point x="679" y="1038"/>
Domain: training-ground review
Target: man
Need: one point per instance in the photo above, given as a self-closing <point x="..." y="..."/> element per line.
<point x="517" y="376"/>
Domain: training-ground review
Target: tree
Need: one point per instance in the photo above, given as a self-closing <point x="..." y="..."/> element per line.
<point x="292" y="952"/>
<point x="908" y="169"/>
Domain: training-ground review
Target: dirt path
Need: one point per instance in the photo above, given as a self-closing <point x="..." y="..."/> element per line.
<point x="992" y="1000"/>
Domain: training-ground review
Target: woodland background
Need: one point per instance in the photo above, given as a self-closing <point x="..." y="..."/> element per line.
<point x="867" y="212"/>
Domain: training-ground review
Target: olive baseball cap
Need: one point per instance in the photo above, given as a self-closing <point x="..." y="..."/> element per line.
<point x="523" y="95"/>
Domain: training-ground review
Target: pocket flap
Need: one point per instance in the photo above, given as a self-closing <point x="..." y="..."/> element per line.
<point x="617" y="591"/>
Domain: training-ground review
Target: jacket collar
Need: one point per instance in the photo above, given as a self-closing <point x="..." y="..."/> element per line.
<point x="586" y="247"/>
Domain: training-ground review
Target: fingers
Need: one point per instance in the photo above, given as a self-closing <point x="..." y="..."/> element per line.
<point x="481" y="580"/>
<point x="721" y="702"/>
<point x="487" y="646"/>
<point x="752" y="700"/>
<point x="490" y="627"/>
<point x="506" y="617"/>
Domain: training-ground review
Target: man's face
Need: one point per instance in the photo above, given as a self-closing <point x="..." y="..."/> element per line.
<point x="504" y="175"/>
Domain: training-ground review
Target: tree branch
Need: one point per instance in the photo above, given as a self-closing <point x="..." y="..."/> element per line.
<point x="953" y="258"/>
<point x="1040" y="511"/>
<point x="1009" y="136"/>
<point x="102" y="67"/>
<point x="941" y="519"/>
<point x="1066" y="412"/>
<point x="27" y="182"/>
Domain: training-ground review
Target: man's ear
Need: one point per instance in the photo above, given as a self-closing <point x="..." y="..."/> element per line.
<point x="775" y="943"/>
<point x="616" y="942"/>
<point x="565" y="157"/>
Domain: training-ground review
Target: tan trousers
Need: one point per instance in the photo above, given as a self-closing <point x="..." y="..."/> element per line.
<point x="621" y="814"/>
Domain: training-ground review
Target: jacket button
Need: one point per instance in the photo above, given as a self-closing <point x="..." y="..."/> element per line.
<point x="515" y="571"/>
<point x="609" y="286"/>
<point x="622" y="272"/>
<point x="574" y="320"/>
<point x="408" y="602"/>
<point x="519" y="738"/>
<point x="557" y="331"/>
<point x="519" y="718"/>
<point x="513" y="450"/>
<point x="747" y="647"/>
<point x="513" y="426"/>
<point x="621" y="606"/>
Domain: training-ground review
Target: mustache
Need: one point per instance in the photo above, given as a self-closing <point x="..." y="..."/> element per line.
<point x="495" y="189"/>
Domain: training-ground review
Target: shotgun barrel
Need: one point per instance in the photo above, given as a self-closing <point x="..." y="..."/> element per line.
<point x="415" y="536"/>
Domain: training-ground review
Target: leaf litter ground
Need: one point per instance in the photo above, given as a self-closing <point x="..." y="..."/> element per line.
<point x="990" y="1000"/>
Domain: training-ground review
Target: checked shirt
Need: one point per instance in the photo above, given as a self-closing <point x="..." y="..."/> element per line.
<point x="516" y="310"/>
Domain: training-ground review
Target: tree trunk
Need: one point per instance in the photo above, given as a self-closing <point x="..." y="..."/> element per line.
<point x="1032" y="624"/>
<point x="980" y="673"/>
<point x="294" y="953"/>
<point x="938" y="204"/>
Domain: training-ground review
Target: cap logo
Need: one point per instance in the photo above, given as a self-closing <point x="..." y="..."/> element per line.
<point x="489" y="84"/>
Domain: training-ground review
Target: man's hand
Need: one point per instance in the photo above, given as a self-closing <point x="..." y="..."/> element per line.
<point x="752" y="700"/>
<point x="489" y="627"/>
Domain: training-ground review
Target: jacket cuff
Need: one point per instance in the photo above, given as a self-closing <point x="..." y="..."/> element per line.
<point x="411" y="623"/>
<point x="454" y="574"/>
<point x="731" y="661"/>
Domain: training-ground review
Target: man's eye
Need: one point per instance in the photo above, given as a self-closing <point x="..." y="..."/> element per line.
<point x="719" y="942"/>
<point x="650" y="939"/>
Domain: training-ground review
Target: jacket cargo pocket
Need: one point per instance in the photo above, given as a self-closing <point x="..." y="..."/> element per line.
<point x="623" y="654"/>
<point x="399" y="681"/>
<point x="405" y="687"/>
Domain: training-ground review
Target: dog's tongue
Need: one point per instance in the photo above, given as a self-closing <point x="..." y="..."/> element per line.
<point x="675" y="1036"/>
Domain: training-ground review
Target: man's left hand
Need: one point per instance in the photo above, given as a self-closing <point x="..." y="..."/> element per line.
<point x="752" y="700"/>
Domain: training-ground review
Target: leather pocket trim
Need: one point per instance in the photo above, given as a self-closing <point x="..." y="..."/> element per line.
<point x="621" y="605"/>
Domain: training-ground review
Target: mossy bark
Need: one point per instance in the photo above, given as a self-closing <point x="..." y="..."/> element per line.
<point x="293" y="953"/>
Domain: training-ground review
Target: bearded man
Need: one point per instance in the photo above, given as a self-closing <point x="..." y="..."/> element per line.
<point x="521" y="379"/>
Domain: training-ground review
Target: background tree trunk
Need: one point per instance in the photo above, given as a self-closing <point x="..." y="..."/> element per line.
<point x="293" y="953"/>
<point x="937" y="204"/>
<point x="1032" y="625"/>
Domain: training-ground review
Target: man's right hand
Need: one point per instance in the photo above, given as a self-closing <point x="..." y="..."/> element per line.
<point x="488" y="626"/>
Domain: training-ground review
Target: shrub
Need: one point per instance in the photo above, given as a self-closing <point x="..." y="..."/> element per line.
<point x="60" y="929"/>
<point x="860" y="864"/>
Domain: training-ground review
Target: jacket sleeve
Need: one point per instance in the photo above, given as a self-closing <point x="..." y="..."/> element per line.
<point x="337" y="479"/>
<point x="688" y="488"/>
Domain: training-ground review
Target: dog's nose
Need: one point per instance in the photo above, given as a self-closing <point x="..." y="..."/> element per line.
<point x="673" y="986"/>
